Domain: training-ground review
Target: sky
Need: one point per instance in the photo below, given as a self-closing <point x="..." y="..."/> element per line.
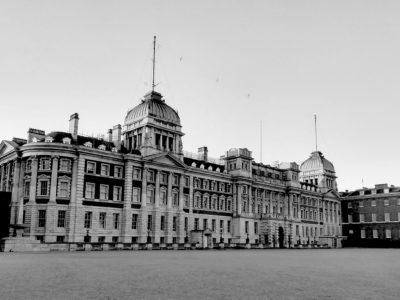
<point x="230" y="69"/>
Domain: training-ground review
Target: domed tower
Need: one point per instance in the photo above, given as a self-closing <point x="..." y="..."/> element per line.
<point x="319" y="171"/>
<point x="153" y="127"/>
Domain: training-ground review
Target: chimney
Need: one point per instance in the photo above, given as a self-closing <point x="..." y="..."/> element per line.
<point x="35" y="134"/>
<point x="116" y="136"/>
<point x="73" y="125"/>
<point x="203" y="153"/>
<point x="109" y="134"/>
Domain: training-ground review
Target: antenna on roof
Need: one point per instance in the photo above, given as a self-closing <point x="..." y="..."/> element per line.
<point x="315" y="127"/>
<point x="154" y="61"/>
<point x="260" y="141"/>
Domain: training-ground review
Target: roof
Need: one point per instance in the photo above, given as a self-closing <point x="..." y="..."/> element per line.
<point x="317" y="161"/>
<point x="153" y="105"/>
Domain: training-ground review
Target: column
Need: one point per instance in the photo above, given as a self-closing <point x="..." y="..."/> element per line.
<point x="239" y="198"/>
<point x="181" y="218"/>
<point x="157" y="189"/>
<point x="169" y="193"/>
<point x="143" y="212"/>
<point x="31" y="213"/>
<point x="144" y="188"/>
<point x="75" y="205"/>
<point x="191" y="194"/>
<point x="271" y="210"/>
<point x="127" y="208"/>
<point x="17" y="183"/>
<point x="169" y="214"/>
<point x="51" y="210"/>
<point x="8" y="169"/>
<point x="1" y="177"/>
<point x="250" y="202"/>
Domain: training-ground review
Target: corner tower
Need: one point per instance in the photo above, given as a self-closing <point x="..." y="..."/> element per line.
<point x="153" y="127"/>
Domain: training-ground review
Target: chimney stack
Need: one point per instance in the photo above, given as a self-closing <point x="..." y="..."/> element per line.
<point x="73" y="125"/>
<point x="35" y="134"/>
<point x="116" y="136"/>
<point x="203" y="153"/>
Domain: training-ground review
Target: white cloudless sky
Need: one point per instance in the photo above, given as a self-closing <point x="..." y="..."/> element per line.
<point x="224" y="65"/>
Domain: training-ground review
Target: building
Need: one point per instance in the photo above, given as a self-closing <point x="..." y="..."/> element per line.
<point x="371" y="216"/>
<point x="138" y="186"/>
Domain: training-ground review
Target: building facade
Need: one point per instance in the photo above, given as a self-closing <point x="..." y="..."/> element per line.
<point x="137" y="185"/>
<point x="371" y="216"/>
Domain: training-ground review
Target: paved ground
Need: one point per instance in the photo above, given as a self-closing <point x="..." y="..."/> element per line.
<point x="226" y="274"/>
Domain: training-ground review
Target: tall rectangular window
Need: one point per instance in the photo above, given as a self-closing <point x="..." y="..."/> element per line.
<point x="118" y="171"/>
<point x="102" y="220"/>
<point x="27" y="186"/>
<point x="43" y="187"/>
<point x="246" y="227"/>
<point x="186" y="200"/>
<point x="363" y="233"/>
<point x="214" y="225"/>
<point x="88" y="219"/>
<point x="91" y="167"/>
<point x="150" y="176"/>
<point x="61" y="218"/>
<point x="117" y="193"/>
<point x="375" y="233"/>
<point x="103" y="192"/>
<point x="386" y="202"/>
<point x="196" y="223"/>
<point x="228" y="226"/>
<point x="162" y="223"/>
<point x="186" y="224"/>
<point x="255" y="228"/>
<point x="361" y="217"/>
<point x="361" y="203"/>
<point x="136" y="195"/>
<point x="105" y="169"/>
<point x="173" y="223"/>
<point x="116" y="220"/>
<point x="387" y="217"/>
<point x="137" y="174"/>
<point x="134" y="221"/>
<point x="149" y="222"/>
<point x="163" y="197"/>
<point x="44" y="164"/>
<point x="89" y="192"/>
<point x="373" y="203"/>
<point x="205" y="224"/>
<point x="42" y="218"/>
<point x="350" y="218"/>
<point x="388" y="233"/>
<point x="221" y="225"/>
<point x="63" y="189"/>
<point x="150" y="195"/>
<point x="175" y="199"/>
<point x="65" y="165"/>
<point x="373" y="217"/>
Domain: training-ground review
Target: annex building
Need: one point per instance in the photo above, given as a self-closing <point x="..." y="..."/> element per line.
<point x="371" y="216"/>
<point x="138" y="186"/>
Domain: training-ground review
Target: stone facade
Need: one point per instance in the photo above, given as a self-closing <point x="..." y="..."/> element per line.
<point x="139" y="186"/>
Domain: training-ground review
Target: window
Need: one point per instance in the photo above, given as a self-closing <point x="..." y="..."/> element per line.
<point x="101" y="239"/>
<point x="150" y="176"/>
<point x="105" y="169"/>
<point x="350" y="218"/>
<point x="65" y="165"/>
<point x="162" y="223"/>
<point x="175" y="198"/>
<point x="196" y="223"/>
<point x="373" y="203"/>
<point x="386" y="202"/>
<point x="88" y="219"/>
<point x="221" y="225"/>
<point x="187" y="181"/>
<point x="398" y="201"/>
<point x="214" y="225"/>
<point x="174" y="224"/>
<point x="361" y="203"/>
<point x="362" y="233"/>
<point x="43" y="187"/>
<point x="163" y="197"/>
<point x="186" y="200"/>
<point x="134" y="221"/>
<point x="373" y="217"/>
<point x="89" y="192"/>
<point x="63" y="188"/>
<point x="102" y="220"/>
<point x="246" y="227"/>
<point x="229" y="205"/>
<point x="44" y="164"/>
<point x="60" y="238"/>
<point x="27" y="186"/>
<point x="116" y="221"/>
<point x="28" y="166"/>
<point x="136" y="174"/>
<point x="114" y="239"/>
<point x="297" y="230"/>
<point x="136" y="195"/>
<point x="387" y="217"/>
<point x="255" y="228"/>
<point x="244" y="189"/>
<point x="66" y="140"/>
<point x="375" y="233"/>
<point x="388" y="233"/>
<point x="117" y="193"/>
<point x="361" y="217"/>
<point x="118" y="171"/>
<point x="103" y="192"/>
<point x="149" y="222"/>
<point x="91" y="167"/>
<point x="150" y="195"/>
<point x="205" y="224"/>
<point x="88" y="144"/>
<point x="61" y="218"/>
<point x="102" y="147"/>
<point x="186" y="224"/>
<point x="175" y="179"/>
<point x="228" y="226"/>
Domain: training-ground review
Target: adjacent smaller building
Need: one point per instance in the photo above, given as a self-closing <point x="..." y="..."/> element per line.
<point x="371" y="216"/>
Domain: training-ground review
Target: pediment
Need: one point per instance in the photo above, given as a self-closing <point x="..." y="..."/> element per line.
<point x="5" y="148"/>
<point x="165" y="159"/>
<point x="332" y="193"/>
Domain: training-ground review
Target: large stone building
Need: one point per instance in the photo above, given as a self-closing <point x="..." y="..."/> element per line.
<point x="371" y="216"/>
<point x="137" y="185"/>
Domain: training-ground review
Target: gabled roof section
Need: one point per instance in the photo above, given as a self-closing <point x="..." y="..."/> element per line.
<point x="7" y="147"/>
<point x="166" y="159"/>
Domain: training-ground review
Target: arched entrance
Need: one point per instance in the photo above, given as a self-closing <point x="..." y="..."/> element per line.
<point x="281" y="237"/>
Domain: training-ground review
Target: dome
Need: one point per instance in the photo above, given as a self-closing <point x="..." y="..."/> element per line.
<point x="317" y="161"/>
<point x="154" y="106"/>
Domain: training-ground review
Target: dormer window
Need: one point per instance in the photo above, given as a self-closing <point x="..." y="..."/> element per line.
<point x="48" y="139"/>
<point x="114" y="149"/>
<point x="66" y="140"/>
<point x="88" y="144"/>
<point x="34" y="140"/>
<point x="102" y="147"/>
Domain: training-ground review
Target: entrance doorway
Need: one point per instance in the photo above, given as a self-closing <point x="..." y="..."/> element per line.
<point x="281" y="237"/>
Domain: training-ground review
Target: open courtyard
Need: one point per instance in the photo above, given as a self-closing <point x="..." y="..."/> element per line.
<point x="207" y="274"/>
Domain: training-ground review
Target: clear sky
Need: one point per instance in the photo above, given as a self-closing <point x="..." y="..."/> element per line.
<point x="224" y="65"/>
